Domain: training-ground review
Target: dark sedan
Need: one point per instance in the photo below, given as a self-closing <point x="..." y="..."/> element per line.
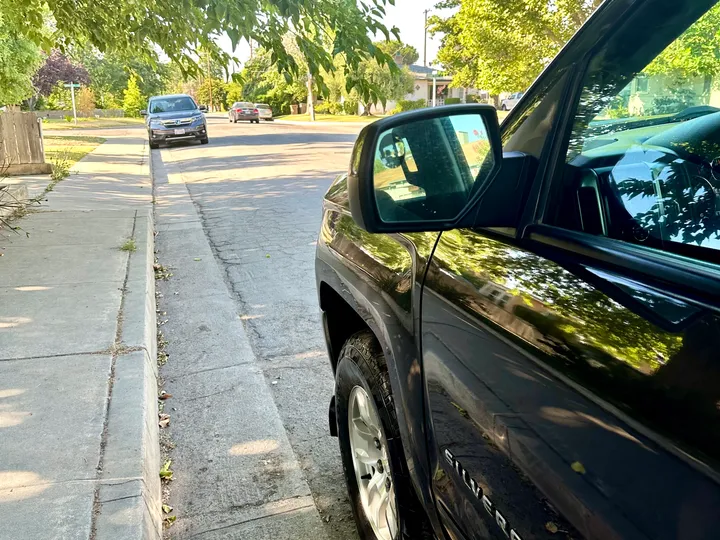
<point x="242" y="110"/>
<point x="173" y="118"/>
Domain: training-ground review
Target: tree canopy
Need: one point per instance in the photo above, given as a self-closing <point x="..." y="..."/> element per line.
<point x="59" y="68"/>
<point x="503" y="46"/>
<point x="695" y="53"/>
<point x="180" y="29"/>
<point x="407" y="54"/>
<point x="19" y="58"/>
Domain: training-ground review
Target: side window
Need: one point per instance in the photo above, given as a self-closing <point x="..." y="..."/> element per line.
<point x="527" y="130"/>
<point x="643" y="159"/>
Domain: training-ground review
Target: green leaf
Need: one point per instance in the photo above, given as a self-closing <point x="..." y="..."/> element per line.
<point x="165" y="472"/>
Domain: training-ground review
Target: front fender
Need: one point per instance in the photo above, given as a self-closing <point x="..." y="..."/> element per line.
<point x="380" y="278"/>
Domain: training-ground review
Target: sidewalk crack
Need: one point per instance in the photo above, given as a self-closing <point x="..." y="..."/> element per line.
<point x="117" y="346"/>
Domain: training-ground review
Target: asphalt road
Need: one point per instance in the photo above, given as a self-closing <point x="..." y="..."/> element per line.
<point x="258" y="190"/>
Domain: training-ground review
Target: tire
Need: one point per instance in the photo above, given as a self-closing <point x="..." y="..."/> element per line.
<point x="204" y="141"/>
<point x="153" y="145"/>
<point x="362" y="372"/>
<point x="503" y="107"/>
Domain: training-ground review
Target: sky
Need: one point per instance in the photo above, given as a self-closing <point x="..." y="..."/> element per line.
<point x="407" y="15"/>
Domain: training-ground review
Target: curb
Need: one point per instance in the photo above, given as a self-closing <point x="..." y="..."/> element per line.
<point x="128" y="502"/>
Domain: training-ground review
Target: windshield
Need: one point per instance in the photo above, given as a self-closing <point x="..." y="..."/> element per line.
<point x="261" y="106"/>
<point x="172" y="104"/>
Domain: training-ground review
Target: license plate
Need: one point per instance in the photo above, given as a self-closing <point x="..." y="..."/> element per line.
<point x="179" y="132"/>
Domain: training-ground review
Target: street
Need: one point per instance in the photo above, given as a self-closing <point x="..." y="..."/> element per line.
<point x="257" y="190"/>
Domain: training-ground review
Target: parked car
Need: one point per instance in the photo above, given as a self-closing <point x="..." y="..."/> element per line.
<point x="509" y="102"/>
<point x="527" y="347"/>
<point x="243" y="110"/>
<point x="264" y="112"/>
<point x="174" y="117"/>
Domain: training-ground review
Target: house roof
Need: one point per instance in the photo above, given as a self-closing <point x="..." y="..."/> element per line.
<point x="414" y="68"/>
<point x="422" y="72"/>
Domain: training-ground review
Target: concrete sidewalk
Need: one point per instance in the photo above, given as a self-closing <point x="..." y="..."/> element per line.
<point x="79" y="453"/>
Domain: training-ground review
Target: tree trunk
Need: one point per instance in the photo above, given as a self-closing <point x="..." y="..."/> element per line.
<point x="310" y="98"/>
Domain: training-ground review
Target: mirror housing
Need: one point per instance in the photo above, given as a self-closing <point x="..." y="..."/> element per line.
<point x="143" y="112"/>
<point x="203" y="108"/>
<point x="361" y="187"/>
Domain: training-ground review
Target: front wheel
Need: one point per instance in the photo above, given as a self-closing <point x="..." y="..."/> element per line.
<point x="154" y="145"/>
<point x="204" y="141"/>
<point x="382" y="497"/>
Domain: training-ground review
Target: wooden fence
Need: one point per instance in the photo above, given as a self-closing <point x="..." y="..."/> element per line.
<point x="21" y="144"/>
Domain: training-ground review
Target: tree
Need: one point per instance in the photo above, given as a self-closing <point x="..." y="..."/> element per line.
<point x="59" y="98"/>
<point x="481" y="49"/>
<point x="180" y="30"/>
<point x="262" y="82"/>
<point x="86" y="101"/>
<point x="133" y="100"/>
<point x="389" y="84"/>
<point x="19" y="58"/>
<point x="695" y="53"/>
<point x="406" y="54"/>
<point x="59" y="68"/>
<point x="109" y="74"/>
<point x="234" y="93"/>
<point x="215" y="87"/>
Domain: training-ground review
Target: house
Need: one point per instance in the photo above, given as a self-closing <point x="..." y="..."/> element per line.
<point x="423" y="89"/>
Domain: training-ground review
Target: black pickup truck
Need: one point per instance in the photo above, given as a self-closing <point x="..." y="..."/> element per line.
<point x="524" y="320"/>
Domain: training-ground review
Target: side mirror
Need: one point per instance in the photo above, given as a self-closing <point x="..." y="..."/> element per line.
<point x="203" y="108"/>
<point x="424" y="170"/>
<point x="143" y="113"/>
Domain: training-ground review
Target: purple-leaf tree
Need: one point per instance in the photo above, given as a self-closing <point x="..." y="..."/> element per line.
<point x="59" y="68"/>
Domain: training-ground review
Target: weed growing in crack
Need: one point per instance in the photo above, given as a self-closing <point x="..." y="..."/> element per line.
<point x="129" y="245"/>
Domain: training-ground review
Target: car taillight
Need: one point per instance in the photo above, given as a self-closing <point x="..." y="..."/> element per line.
<point x="257" y="112"/>
<point x="238" y="110"/>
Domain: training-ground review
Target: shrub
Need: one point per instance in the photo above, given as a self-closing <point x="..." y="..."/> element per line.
<point x="350" y="106"/>
<point x="408" y="105"/>
<point x="453" y="101"/>
<point x="68" y="118"/>
<point x="329" y="107"/>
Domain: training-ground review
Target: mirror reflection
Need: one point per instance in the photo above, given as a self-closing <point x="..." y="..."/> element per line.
<point x="429" y="169"/>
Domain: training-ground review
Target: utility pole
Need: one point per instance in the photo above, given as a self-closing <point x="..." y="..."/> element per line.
<point x="425" y="42"/>
<point x="434" y="99"/>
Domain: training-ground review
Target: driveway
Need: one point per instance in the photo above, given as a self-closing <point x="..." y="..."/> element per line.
<point x="258" y="191"/>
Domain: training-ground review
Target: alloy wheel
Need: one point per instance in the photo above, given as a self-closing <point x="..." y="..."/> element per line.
<point x="371" y="462"/>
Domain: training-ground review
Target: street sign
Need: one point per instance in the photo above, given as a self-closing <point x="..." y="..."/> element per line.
<point x="72" y="86"/>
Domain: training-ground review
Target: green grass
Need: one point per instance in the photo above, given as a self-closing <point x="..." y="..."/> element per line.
<point x="350" y="118"/>
<point x="90" y="123"/>
<point x="71" y="148"/>
<point x="330" y="118"/>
